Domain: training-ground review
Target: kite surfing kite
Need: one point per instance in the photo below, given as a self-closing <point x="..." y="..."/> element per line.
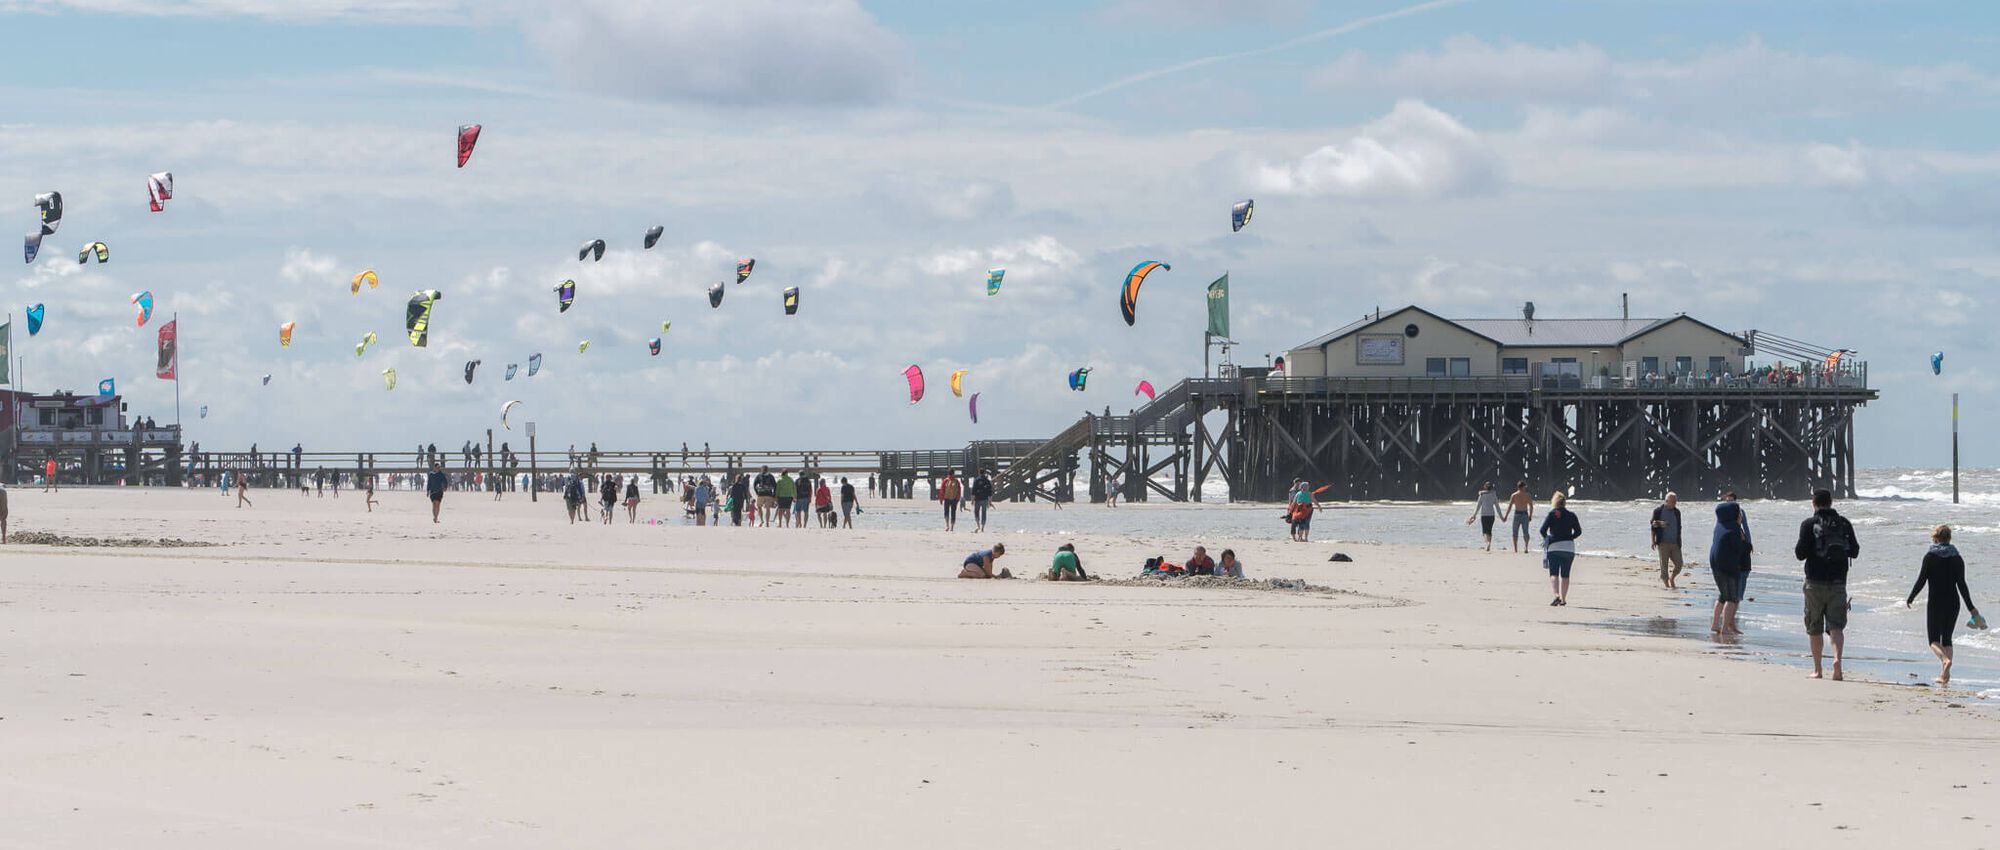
<point x="666" y="326"/>
<point x="204" y="411"/>
<point x="50" y="204"/>
<point x="285" y="334"/>
<point x="102" y="251"/>
<point x="31" y="246"/>
<point x="594" y="250"/>
<point x="956" y="375"/>
<point x="791" y="300"/>
<point x="367" y="277"/>
<point x="582" y="346"/>
<point x="389" y="377"/>
<point x="35" y="314"/>
<point x="506" y="409"/>
<point x="653" y="345"/>
<point x="1145" y="387"/>
<point x="1128" y="295"/>
<point x="159" y="190"/>
<point x="468" y="136"/>
<point x="1079" y="378"/>
<point x="972" y="407"/>
<point x="267" y="380"/>
<point x="1937" y="362"/>
<point x="361" y="347"/>
<point x="916" y="378"/>
<point x="469" y="366"/>
<point x="417" y="319"/>
<point x="993" y="277"/>
<point x="144" y="300"/>
<point x="743" y="269"/>
<point x="511" y="369"/>
<point x="715" y="295"/>
<point x="653" y="236"/>
<point x="534" y="363"/>
<point x="565" y="295"/>
<point x="1240" y="214"/>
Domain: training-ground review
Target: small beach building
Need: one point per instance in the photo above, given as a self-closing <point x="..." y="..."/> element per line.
<point x="1416" y="343"/>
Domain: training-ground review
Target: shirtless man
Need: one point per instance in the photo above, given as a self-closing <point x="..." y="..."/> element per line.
<point x="1521" y="507"/>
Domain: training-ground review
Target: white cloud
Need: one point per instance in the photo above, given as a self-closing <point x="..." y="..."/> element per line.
<point x="1829" y="165"/>
<point x="1746" y="80"/>
<point x="730" y="52"/>
<point x="302" y="266"/>
<point x="1414" y="153"/>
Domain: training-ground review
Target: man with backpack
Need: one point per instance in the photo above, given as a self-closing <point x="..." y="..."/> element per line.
<point x="1827" y="546"/>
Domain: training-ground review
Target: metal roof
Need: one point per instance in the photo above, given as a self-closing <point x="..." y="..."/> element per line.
<point x="1519" y="333"/>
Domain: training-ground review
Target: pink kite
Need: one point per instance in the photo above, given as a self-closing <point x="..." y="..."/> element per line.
<point x="1145" y="387"/>
<point x="468" y="136"/>
<point x="916" y="379"/>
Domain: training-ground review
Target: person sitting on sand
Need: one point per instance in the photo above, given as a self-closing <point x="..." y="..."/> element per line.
<point x="1200" y="564"/>
<point x="1066" y="566"/>
<point x="1230" y="567"/>
<point x="980" y="564"/>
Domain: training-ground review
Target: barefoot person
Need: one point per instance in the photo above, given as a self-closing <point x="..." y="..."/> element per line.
<point x="3" y="513"/>
<point x="1944" y="571"/>
<point x="434" y="485"/>
<point x="1827" y="545"/>
<point x="980" y="564"/>
<point x="1729" y="562"/>
<point x="242" y="489"/>
<point x="1066" y="566"/>
<point x="1560" y="530"/>
<point x="1667" y="538"/>
<point x="1486" y="510"/>
<point x="1521" y="507"/>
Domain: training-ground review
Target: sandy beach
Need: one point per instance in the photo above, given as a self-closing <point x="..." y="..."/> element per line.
<point x="331" y="678"/>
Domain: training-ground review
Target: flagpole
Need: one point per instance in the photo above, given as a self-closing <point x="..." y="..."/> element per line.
<point x="177" y="374"/>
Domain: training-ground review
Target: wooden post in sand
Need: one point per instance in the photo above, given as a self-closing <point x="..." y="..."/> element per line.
<point x="1954" y="448"/>
<point x="534" y="479"/>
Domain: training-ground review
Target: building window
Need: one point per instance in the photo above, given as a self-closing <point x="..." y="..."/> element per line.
<point x="1649" y="365"/>
<point x="1718" y="365"/>
<point x="1434" y="367"/>
<point x="47" y="417"/>
<point x="1684" y="365"/>
<point x="1461" y="367"/>
<point x="95" y="416"/>
<point x="1513" y="365"/>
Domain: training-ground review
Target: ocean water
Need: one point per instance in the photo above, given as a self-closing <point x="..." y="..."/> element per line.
<point x="1893" y="517"/>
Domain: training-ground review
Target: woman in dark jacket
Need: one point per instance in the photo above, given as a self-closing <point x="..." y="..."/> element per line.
<point x="1944" y="570"/>
<point x="1729" y="561"/>
<point x="1560" y="530"/>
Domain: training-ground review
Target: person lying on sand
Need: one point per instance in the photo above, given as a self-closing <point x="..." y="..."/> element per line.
<point x="1066" y="566"/>
<point x="1200" y="564"/>
<point x="980" y="564"/>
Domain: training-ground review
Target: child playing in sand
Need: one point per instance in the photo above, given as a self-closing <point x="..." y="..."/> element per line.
<point x="1066" y="566"/>
<point x="980" y="564"/>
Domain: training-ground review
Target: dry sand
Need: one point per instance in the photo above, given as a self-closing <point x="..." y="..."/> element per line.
<point x="338" y="679"/>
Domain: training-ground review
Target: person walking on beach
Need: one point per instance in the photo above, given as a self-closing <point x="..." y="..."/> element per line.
<point x="49" y="476"/>
<point x="1729" y="562"/>
<point x="1112" y="489"/>
<point x="802" y="502"/>
<point x="573" y="498"/>
<point x="871" y="485"/>
<point x="1560" y="529"/>
<point x="1521" y="507"/>
<point x="848" y="502"/>
<point x="982" y="498"/>
<point x="787" y="490"/>
<point x="242" y="489"/>
<point x="632" y="500"/>
<point x="949" y="492"/>
<point x="607" y="498"/>
<point x="434" y="486"/>
<point x="1486" y="510"/>
<point x="369" y="500"/>
<point x="1828" y="546"/>
<point x="823" y="504"/>
<point x="1944" y="570"/>
<point x="980" y="564"/>
<point x="703" y="492"/>
<point x="1666" y="527"/>
<point x="739" y="492"/>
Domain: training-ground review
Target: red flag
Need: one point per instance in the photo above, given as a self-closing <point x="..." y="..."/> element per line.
<point x="170" y="357"/>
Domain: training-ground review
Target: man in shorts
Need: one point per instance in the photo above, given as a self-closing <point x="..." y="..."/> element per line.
<point x="787" y="491"/>
<point x="1828" y="546"/>
<point x="1521" y="507"/>
<point x="766" y="488"/>
<point x="434" y="486"/>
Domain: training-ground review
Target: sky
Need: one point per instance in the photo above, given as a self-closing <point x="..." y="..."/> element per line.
<point x="1822" y="170"/>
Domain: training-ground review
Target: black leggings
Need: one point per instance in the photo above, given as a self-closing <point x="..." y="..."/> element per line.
<point x="979" y="511"/>
<point x="1941" y="619"/>
<point x="951" y="510"/>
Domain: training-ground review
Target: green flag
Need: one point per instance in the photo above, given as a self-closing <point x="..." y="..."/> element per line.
<point x="6" y="352"/>
<point x="1218" y="307"/>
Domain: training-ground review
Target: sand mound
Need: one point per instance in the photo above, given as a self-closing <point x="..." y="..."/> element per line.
<point x="1282" y="585"/>
<point x="43" y="538"/>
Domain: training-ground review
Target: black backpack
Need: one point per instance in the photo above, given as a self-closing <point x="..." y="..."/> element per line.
<point x="1830" y="539"/>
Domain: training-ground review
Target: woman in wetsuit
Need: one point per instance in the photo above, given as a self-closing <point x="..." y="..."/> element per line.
<point x="1944" y="570"/>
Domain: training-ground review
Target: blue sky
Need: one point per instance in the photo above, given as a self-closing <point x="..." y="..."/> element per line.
<point x="1822" y="170"/>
